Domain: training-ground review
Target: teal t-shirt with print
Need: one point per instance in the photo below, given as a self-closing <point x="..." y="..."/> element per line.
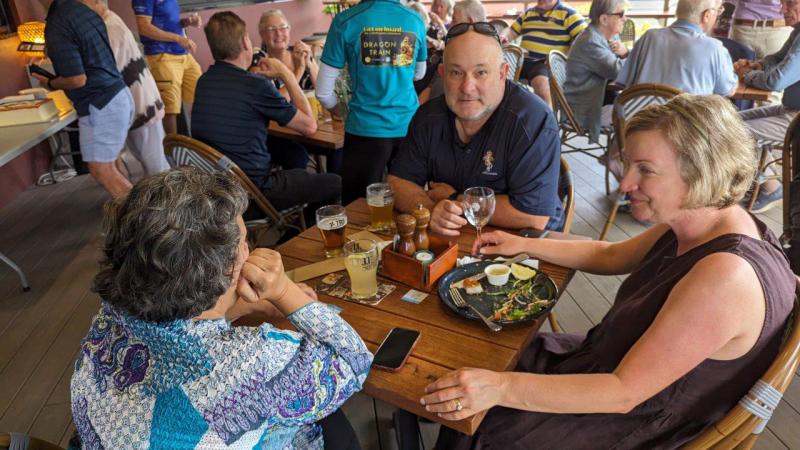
<point x="380" y="42"/>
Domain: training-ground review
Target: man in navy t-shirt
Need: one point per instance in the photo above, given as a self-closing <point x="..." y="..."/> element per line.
<point x="233" y="109"/>
<point x="484" y="131"/>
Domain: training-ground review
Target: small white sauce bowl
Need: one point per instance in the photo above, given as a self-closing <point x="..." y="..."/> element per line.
<point x="497" y="274"/>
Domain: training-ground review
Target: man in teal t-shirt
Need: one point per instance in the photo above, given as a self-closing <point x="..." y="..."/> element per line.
<point x="382" y="44"/>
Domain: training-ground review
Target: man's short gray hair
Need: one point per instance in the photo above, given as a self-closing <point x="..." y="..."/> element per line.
<point x="473" y="9"/>
<point x="691" y="10"/>
<point x="600" y="7"/>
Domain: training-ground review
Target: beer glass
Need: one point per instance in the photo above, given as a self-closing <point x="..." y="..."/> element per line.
<point x="361" y="262"/>
<point x="331" y="221"/>
<point x="380" y="200"/>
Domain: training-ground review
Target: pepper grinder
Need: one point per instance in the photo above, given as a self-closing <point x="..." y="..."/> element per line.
<point x="406" y="223"/>
<point x="423" y="217"/>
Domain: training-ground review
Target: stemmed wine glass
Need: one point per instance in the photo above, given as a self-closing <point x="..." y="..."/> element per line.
<point x="479" y="205"/>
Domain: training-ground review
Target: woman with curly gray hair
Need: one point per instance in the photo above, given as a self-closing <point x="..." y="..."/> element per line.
<point x="695" y="324"/>
<point x="161" y="364"/>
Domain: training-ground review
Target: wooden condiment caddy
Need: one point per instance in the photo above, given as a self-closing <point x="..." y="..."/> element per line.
<point x="423" y="277"/>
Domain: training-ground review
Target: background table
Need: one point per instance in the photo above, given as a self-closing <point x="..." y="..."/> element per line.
<point x="16" y="140"/>
<point x="447" y="341"/>
<point x="745" y="92"/>
<point x="329" y="134"/>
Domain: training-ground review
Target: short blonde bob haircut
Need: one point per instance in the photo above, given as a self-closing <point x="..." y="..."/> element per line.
<point x="262" y="22"/>
<point x="716" y="151"/>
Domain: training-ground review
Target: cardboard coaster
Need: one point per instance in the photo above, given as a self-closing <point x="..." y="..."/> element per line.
<point x="337" y="284"/>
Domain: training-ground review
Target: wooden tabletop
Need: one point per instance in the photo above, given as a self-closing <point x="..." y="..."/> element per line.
<point x="447" y="341"/>
<point x="330" y="134"/>
<point x="744" y="92"/>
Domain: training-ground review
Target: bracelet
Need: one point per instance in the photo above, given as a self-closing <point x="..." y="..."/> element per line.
<point x="47" y="84"/>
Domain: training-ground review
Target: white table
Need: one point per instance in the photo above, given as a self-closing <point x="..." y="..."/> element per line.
<point x="16" y="140"/>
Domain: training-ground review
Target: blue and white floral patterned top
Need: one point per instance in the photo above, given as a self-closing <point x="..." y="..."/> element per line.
<point x="205" y="384"/>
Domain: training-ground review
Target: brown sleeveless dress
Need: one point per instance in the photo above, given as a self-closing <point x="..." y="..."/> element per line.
<point x="679" y="412"/>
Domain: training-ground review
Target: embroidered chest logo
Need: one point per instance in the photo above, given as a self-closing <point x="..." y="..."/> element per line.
<point x="488" y="162"/>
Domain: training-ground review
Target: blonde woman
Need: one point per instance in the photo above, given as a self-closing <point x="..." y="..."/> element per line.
<point x="694" y="325"/>
<point x="275" y="38"/>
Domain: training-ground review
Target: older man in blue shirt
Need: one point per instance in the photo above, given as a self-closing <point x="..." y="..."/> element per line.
<point x="484" y="131"/>
<point x="681" y="55"/>
<point x="777" y="72"/>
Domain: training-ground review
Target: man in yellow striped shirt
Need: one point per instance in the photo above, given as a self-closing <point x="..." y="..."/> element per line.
<point x="550" y="25"/>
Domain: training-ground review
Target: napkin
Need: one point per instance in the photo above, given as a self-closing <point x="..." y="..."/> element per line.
<point x="315" y="270"/>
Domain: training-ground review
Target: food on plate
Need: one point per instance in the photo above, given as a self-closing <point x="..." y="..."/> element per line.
<point x="521" y="299"/>
<point x="521" y="272"/>
<point x="472" y="286"/>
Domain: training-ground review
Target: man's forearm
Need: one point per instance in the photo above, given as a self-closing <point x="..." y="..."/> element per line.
<point x="67" y="83"/>
<point x="151" y="31"/>
<point x="506" y="216"/>
<point x="408" y="195"/>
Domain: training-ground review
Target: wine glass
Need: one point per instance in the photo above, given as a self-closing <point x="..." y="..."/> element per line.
<point x="479" y="205"/>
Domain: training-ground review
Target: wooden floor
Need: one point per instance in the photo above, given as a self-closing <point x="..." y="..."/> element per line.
<point x="53" y="233"/>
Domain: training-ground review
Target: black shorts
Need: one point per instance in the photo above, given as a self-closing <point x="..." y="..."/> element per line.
<point x="532" y="68"/>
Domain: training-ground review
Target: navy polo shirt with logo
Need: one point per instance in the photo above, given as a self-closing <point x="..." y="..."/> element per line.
<point x="516" y="153"/>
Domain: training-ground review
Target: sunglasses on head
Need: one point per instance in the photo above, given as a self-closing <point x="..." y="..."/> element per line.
<point x="484" y="28"/>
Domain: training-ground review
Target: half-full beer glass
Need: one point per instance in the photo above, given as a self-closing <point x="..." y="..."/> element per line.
<point x="380" y="199"/>
<point x="331" y="221"/>
<point x="361" y="262"/>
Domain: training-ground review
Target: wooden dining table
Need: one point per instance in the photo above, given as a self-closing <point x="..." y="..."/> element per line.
<point x="447" y="341"/>
<point x="329" y="134"/>
<point x="745" y="92"/>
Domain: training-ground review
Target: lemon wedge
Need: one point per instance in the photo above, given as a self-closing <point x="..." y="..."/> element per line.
<point x="521" y="272"/>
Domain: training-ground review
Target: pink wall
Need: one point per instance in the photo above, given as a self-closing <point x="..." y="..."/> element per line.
<point x="23" y="171"/>
<point x="305" y="16"/>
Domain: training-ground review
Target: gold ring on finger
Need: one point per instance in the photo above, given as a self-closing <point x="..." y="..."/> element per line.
<point x="459" y="406"/>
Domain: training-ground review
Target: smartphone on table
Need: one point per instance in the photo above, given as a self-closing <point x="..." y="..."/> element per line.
<point x="395" y="349"/>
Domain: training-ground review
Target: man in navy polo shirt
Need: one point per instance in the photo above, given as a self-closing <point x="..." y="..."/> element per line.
<point x="484" y="131"/>
<point x="233" y="108"/>
<point x="78" y="45"/>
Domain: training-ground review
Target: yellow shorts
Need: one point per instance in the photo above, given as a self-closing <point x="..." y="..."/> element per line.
<point x="176" y="77"/>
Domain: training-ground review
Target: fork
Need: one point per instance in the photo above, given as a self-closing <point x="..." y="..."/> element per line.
<point x="458" y="300"/>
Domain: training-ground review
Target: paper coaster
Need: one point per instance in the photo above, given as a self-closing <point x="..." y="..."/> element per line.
<point x="337" y="284"/>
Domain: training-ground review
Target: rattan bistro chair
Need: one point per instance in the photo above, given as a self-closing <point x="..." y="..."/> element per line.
<point x="570" y="128"/>
<point x="628" y="34"/>
<point x="185" y="151"/>
<point x="514" y="56"/>
<point x="628" y="103"/>
<point x="791" y="166"/>
<point x="742" y="425"/>
<point x="566" y="193"/>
